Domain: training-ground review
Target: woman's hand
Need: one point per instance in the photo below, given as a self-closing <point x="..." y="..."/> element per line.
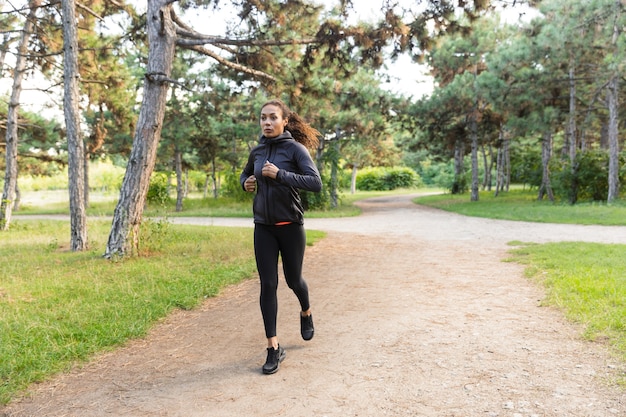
<point x="270" y="170"/>
<point x="250" y="184"/>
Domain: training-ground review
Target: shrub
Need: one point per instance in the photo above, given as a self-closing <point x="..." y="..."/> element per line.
<point x="318" y="201"/>
<point x="232" y="188"/>
<point x="589" y="182"/>
<point x="158" y="189"/>
<point x="384" y="179"/>
<point x="437" y="174"/>
<point x="526" y="166"/>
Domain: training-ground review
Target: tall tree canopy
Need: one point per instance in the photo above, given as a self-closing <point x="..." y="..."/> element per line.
<point x="293" y="25"/>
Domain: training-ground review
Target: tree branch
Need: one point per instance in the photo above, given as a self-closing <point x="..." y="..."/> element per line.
<point x="115" y="3"/>
<point x="229" y="64"/>
<point x="192" y="37"/>
<point x="160" y="78"/>
<point x="88" y="10"/>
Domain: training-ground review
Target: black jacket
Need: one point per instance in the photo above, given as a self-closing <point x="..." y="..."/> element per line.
<point x="279" y="200"/>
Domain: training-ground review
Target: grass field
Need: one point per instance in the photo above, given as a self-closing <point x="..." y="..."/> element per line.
<point x="523" y="205"/>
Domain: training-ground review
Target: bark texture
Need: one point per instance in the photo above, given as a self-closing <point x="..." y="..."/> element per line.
<point x="612" y="99"/>
<point x="10" y="176"/>
<point x="613" y="104"/>
<point x="124" y="235"/>
<point x="75" y="144"/>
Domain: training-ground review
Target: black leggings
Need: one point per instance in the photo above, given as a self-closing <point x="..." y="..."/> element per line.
<point x="288" y="240"/>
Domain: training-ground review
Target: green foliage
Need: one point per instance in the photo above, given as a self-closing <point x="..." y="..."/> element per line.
<point x="158" y="191"/>
<point x="585" y="280"/>
<point x="526" y="165"/>
<point x="460" y="184"/>
<point x="155" y="233"/>
<point x="318" y="201"/>
<point x="196" y="180"/>
<point x="231" y="188"/>
<point x="589" y="182"/>
<point x="436" y="174"/>
<point x="382" y="179"/>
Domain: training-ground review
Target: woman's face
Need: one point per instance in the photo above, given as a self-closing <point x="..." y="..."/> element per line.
<point x="272" y="121"/>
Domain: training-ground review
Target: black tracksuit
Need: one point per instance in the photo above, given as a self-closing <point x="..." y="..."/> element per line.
<point x="278" y="218"/>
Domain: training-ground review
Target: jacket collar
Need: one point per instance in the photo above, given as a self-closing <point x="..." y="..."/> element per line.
<point x="283" y="137"/>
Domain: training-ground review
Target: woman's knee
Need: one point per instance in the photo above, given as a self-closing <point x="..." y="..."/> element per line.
<point x="297" y="285"/>
<point x="269" y="286"/>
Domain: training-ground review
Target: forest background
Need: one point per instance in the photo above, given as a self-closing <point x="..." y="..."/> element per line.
<point x="533" y="101"/>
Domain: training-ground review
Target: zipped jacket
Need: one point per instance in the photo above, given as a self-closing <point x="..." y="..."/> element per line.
<point x="278" y="200"/>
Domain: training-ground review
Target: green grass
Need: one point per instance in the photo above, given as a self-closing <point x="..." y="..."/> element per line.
<point x="523" y="205"/>
<point x="587" y="281"/>
<point x="58" y="308"/>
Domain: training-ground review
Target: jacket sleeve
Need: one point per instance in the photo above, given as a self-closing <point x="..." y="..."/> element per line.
<point x="308" y="178"/>
<point x="247" y="171"/>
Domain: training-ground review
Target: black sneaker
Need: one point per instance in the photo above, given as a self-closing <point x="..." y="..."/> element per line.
<point x="306" y="327"/>
<point x="274" y="358"/>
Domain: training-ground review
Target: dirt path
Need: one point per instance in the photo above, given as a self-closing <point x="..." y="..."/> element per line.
<point x="416" y="315"/>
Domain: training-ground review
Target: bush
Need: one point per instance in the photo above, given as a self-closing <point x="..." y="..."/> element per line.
<point x="385" y="179"/>
<point x="196" y="180"/>
<point x="526" y="166"/>
<point x="438" y="174"/>
<point x="589" y="182"/>
<point x="233" y="189"/>
<point x="158" y="189"/>
<point x="321" y="200"/>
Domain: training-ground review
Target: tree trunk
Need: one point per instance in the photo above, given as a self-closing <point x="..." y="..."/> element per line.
<point x="334" y="168"/>
<point x="10" y="175"/>
<point x="178" y="166"/>
<point x="612" y="99"/>
<point x="546" y="155"/>
<point x="353" y="179"/>
<point x="124" y="235"/>
<point x="613" y="104"/>
<point x="86" y="181"/>
<point x="459" y="172"/>
<point x="488" y="164"/>
<point x="4" y="47"/>
<point x="570" y="135"/>
<point x="75" y="144"/>
<point x="18" y="198"/>
<point x="571" y="125"/>
<point x="506" y="150"/>
<point x="214" y="175"/>
<point x="205" y="189"/>
<point x="499" y="159"/>
<point x="474" y="138"/>
<point x="500" y="162"/>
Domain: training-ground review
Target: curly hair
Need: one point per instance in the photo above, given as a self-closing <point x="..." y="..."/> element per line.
<point x="300" y="130"/>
